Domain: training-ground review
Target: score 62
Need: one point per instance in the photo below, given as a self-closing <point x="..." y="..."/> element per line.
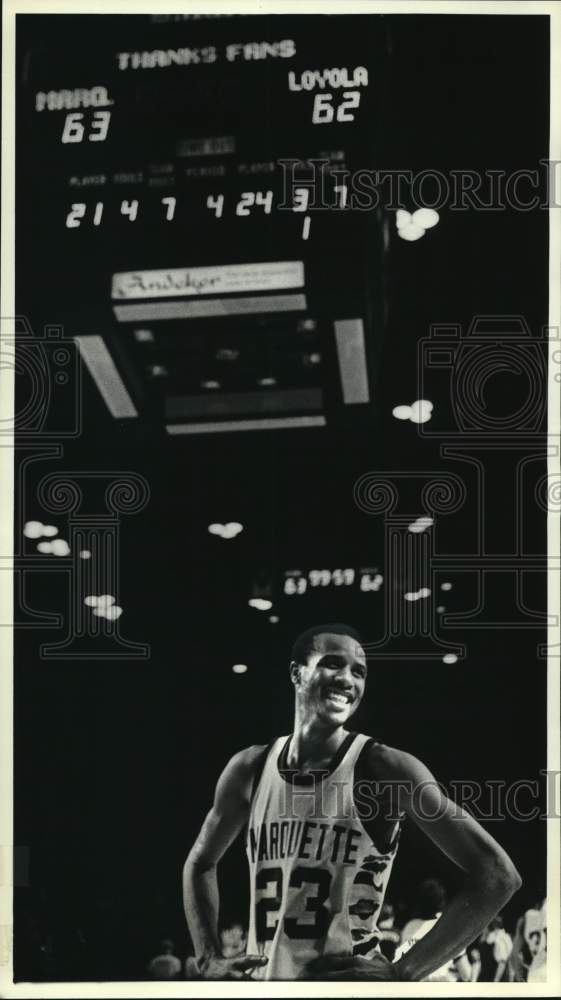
<point x="324" y="112"/>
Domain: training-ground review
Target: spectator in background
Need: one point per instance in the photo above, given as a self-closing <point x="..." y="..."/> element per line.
<point x="389" y="934"/>
<point x="192" y="968"/>
<point x="165" y="965"/>
<point x="427" y="910"/>
<point x="474" y="958"/>
<point x="234" y="940"/>
<point x="528" y="958"/>
<point x="430" y="899"/>
<point x="492" y="953"/>
<point x="537" y="973"/>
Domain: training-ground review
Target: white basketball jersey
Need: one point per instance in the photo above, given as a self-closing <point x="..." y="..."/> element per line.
<point x="317" y="879"/>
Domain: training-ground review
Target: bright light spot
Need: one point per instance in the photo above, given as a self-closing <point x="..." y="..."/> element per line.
<point x="231" y="529"/>
<point x="417" y="595"/>
<point x="421" y="406"/>
<point x="441" y="609"/>
<point x="450" y="658"/>
<point x="85" y="554"/>
<point x="45" y="547"/>
<point x="446" y="586"/>
<point x="239" y="668"/>
<point x="418" y="413"/>
<point x="314" y="358"/>
<point x="104" y="606"/>
<point x="108" y="611"/>
<point x="143" y="336"/>
<point x="402" y="412"/>
<point x="421" y="411"/>
<point x="210" y="383"/>
<point x="105" y="599"/>
<point x="413" y="226"/>
<point x="266" y="381"/>
<point x="157" y="370"/>
<point x="274" y="619"/>
<point x="260" y="603"/>
<point x="59" y="547"/>
<point x="411" y="232"/>
<point x="33" y="529"/>
<point x="425" y="522"/>
<point x="425" y="217"/>
<point x="420" y="524"/>
<point x="402" y="218"/>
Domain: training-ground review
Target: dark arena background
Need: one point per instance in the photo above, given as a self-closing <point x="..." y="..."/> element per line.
<point x="225" y="316"/>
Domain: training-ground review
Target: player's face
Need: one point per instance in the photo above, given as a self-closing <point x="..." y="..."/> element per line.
<point x="332" y="682"/>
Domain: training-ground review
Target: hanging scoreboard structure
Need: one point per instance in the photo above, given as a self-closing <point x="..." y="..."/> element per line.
<point x="199" y="210"/>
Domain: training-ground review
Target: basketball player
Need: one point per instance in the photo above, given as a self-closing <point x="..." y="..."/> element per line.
<point x="323" y="809"/>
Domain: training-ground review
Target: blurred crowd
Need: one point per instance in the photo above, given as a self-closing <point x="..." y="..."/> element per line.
<point x="517" y="954"/>
<point x="123" y="943"/>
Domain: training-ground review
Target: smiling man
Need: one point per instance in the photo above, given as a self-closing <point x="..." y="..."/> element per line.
<point x="323" y="809"/>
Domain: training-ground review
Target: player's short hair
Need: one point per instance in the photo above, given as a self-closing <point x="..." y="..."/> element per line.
<point x="496" y="923"/>
<point x="431" y="898"/>
<point x="306" y="641"/>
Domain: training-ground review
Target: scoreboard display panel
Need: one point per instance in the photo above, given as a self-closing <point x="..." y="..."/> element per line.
<point x="195" y="170"/>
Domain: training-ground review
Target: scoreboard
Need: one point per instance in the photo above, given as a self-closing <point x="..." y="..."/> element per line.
<point x="209" y="181"/>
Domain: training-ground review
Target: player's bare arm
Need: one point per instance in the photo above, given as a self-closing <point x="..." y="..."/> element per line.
<point x="490" y="876"/>
<point x="225" y="820"/>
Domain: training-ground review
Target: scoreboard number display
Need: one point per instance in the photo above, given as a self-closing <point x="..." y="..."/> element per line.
<point x="298" y="582"/>
<point x="156" y="143"/>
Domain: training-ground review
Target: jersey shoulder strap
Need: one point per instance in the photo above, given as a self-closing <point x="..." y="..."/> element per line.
<point x="380" y="821"/>
<point x="259" y="768"/>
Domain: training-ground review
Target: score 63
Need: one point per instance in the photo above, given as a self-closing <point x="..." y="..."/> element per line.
<point x="74" y="128"/>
